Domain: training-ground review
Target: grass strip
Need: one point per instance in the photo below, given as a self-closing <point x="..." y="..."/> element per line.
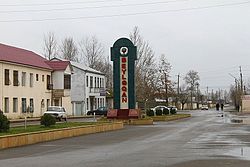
<point x="39" y="128"/>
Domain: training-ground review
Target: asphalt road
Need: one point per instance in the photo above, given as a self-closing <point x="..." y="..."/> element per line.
<point x="205" y="140"/>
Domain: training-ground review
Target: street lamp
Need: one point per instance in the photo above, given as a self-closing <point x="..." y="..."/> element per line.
<point x="237" y="100"/>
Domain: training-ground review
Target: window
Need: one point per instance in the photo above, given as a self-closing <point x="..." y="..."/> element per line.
<point x="6" y="105"/>
<point x="87" y="81"/>
<point x="37" y="77"/>
<point x="95" y="82"/>
<point x="24" y="109"/>
<point x="98" y="82"/>
<point x="48" y="83"/>
<point x="31" y="80"/>
<point x="87" y="103"/>
<point x="48" y="103"/>
<point x="15" y="105"/>
<point x="67" y="81"/>
<point x="15" y="78"/>
<point x="23" y="78"/>
<point x="43" y="78"/>
<point x="7" y="77"/>
<point x="31" y="110"/>
<point x="91" y="82"/>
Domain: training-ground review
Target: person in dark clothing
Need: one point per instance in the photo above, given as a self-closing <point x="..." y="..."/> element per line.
<point x="217" y="106"/>
<point x="221" y="106"/>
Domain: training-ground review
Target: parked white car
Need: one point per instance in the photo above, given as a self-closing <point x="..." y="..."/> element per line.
<point x="204" y="107"/>
<point x="57" y="111"/>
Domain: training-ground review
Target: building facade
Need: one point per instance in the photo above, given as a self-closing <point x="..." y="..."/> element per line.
<point x="24" y="83"/>
<point x="88" y="89"/>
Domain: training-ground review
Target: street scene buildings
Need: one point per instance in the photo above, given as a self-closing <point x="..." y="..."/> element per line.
<point x="31" y="83"/>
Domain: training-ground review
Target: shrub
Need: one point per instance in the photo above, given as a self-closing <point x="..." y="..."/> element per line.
<point x="173" y="111"/>
<point x="150" y="113"/>
<point x="47" y="120"/>
<point x="4" y="123"/>
<point x="165" y="111"/>
<point x="158" y="112"/>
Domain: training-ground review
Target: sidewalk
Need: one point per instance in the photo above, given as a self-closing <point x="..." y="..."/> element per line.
<point x="237" y="117"/>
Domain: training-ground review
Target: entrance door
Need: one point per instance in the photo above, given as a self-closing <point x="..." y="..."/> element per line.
<point x="78" y="108"/>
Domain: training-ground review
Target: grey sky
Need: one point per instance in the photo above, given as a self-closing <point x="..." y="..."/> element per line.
<point x="209" y="36"/>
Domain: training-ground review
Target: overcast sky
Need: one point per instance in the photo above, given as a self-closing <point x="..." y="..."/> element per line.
<point x="208" y="36"/>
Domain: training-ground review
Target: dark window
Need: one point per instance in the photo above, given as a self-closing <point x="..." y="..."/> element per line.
<point x="23" y="78"/>
<point x="43" y="78"/>
<point x="37" y="77"/>
<point x="15" y="78"/>
<point x="6" y="105"/>
<point x="95" y="83"/>
<point x="48" y="82"/>
<point x="87" y="81"/>
<point x="7" y="77"/>
<point x="31" y="79"/>
<point x="67" y="81"/>
<point x="24" y="109"/>
<point x="31" y="109"/>
<point x="91" y="82"/>
<point x="15" y="105"/>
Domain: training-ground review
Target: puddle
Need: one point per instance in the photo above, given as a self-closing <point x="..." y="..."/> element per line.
<point x="241" y="152"/>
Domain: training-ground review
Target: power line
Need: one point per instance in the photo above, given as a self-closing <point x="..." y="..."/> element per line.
<point x="63" y="3"/>
<point x="128" y="14"/>
<point x="92" y="7"/>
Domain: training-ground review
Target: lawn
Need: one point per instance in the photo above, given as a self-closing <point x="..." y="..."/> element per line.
<point x="38" y="128"/>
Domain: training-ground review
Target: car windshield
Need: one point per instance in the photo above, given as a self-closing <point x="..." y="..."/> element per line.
<point x="54" y="109"/>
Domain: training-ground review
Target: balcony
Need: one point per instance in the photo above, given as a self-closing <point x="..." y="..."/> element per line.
<point x="97" y="91"/>
<point x="57" y="93"/>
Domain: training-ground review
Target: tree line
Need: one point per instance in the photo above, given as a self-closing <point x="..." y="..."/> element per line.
<point x="152" y="74"/>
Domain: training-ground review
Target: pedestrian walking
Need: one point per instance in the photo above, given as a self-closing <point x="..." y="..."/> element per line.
<point x="217" y="106"/>
<point x="221" y="106"/>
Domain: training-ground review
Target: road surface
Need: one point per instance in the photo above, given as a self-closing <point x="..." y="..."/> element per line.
<point x="206" y="139"/>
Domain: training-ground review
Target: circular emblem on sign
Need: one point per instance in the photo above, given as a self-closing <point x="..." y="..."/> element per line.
<point x="124" y="51"/>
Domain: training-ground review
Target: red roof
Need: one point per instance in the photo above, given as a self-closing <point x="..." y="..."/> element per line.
<point x="58" y="65"/>
<point x="22" y="56"/>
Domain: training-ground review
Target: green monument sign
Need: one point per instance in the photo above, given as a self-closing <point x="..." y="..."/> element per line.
<point x="123" y="55"/>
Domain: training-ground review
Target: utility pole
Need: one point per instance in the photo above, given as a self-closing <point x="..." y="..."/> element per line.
<point x="178" y="87"/>
<point x="166" y="87"/>
<point x="241" y="89"/>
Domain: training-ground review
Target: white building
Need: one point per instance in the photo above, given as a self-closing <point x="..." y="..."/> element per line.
<point x="88" y="88"/>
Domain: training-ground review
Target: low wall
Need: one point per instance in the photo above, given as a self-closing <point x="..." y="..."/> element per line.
<point x="9" y="141"/>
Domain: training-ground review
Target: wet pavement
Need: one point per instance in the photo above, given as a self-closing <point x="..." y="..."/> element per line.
<point x="205" y="139"/>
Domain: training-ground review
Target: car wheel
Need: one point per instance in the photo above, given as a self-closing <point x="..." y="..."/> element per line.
<point x="59" y="119"/>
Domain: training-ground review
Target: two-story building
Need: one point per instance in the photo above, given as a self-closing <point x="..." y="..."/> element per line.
<point x="29" y="83"/>
<point x="61" y="84"/>
<point x="24" y="81"/>
<point x="88" y="90"/>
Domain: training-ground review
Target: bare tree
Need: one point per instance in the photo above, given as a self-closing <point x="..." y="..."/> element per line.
<point x="164" y="69"/>
<point x="183" y="95"/>
<point x="50" y="45"/>
<point x="92" y="52"/>
<point x="69" y="50"/>
<point x="192" y="79"/>
<point x="145" y="67"/>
